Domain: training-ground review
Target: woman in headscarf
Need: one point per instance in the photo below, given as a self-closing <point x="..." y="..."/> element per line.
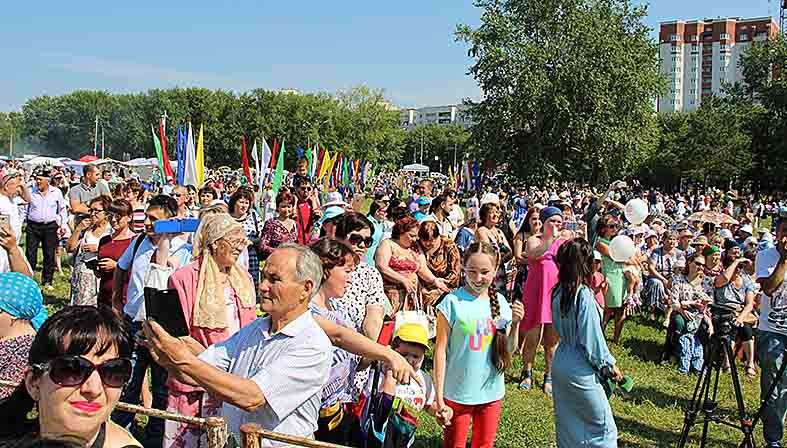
<point x="218" y="299"/>
<point x="22" y="312"/>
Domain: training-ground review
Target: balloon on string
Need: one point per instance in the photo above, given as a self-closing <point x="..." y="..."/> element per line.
<point x="636" y="211"/>
<point x="621" y="248"/>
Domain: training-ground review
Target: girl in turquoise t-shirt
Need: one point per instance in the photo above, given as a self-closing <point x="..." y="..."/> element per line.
<point x="473" y="349"/>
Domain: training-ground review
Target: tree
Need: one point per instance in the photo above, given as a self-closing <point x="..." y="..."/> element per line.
<point x="568" y="86"/>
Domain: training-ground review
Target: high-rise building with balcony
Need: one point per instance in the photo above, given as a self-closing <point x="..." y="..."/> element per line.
<point x="700" y="56"/>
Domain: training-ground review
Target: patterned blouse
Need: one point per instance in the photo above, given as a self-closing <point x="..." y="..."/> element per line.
<point x="365" y="289"/>
<point x="445" y="263"/>
<point x="13" y="353"/>
<point x="275" y="233"/>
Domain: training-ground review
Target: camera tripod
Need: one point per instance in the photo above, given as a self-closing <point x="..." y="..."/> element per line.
<point x="704" y="398"/>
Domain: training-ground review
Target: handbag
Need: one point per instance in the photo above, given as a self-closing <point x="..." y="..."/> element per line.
<point x="416" y="316"/>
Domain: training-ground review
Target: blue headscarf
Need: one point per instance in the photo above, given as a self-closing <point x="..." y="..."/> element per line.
<point x="21" y="297"/>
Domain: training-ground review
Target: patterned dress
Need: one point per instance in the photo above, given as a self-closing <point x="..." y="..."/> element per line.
<point x="13" y="353"/>
<point x="251" y="226"/>
<point x="274" y="234"/>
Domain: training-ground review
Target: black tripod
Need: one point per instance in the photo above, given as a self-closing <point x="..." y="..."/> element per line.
<point x="704" y="397"/>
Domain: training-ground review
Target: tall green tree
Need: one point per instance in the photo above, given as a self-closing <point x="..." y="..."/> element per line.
<point x="568" y="86"/>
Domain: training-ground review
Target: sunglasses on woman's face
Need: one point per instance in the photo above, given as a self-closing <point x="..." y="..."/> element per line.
<point x="356" y="240"/>
<point x="699" y="264"/>
<point x="73" y="371"/>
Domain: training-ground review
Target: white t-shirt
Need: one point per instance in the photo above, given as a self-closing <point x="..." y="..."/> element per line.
<point x="413" y="394"/>
<point x="12" y="210"/>
<point x="773" y="311"/>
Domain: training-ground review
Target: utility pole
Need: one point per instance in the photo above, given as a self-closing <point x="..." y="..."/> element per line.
<point x="95" y="137"/>
<point x="454" y="153"/>
<point x="102" y="141"/>
<point x="422" y="148"/>
<point x="11" y="144"/>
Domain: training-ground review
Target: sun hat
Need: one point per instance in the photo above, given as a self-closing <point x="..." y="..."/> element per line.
<point x="701" y="240"/>
<point x="726" y="234"/>
<point x="490" y="198"/>
<point x="423" y="200"/>
<point x="331" y="212"/>
<point x="413" y="333"/>
<point x="711" y="250"/>
<point x="334" y="199"/>
<point x="747" y="229"/>
<point x="597" y="255"/>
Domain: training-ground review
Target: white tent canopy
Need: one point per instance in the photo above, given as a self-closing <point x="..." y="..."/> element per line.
<point x="416" y="167"/>
<point x="38" y="161"/>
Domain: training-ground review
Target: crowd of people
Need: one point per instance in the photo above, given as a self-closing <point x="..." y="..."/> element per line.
<point x="310" y="310"/>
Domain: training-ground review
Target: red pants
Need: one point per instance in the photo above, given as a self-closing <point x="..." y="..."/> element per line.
<point x="483" y="417"/>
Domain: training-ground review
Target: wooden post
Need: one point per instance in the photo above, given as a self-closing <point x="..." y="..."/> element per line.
<point x="216" y="431"/>
<point x="250" y="435"/>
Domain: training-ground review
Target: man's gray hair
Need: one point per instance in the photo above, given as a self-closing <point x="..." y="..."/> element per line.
<point x="307" y="265"/>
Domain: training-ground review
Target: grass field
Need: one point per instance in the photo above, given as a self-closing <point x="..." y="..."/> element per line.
<point x="650" y="416"/>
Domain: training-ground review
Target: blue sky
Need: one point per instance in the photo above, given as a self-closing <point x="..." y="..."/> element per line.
<point x="404" y="46"/>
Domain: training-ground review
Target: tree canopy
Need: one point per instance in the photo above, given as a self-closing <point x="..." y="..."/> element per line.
<point x="356" y="122"/>
<point x="568" y="86"/>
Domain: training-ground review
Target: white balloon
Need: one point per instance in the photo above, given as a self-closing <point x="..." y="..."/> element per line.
<point x="621" y="248"/>
<point x="636" y="211"/>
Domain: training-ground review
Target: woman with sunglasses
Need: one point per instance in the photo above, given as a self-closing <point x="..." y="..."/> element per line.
<point x="79" y="362"/>
<point x="218" y="298"/>
<point x="83" y="243"/>
<point x="606" y="229"/>
<point x="281" y="229"/>
<point x="111" y="248"/>
<point x="22" y="312"/>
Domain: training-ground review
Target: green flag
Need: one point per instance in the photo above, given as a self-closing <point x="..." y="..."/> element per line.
<point x="309" y="160"/>
<point x="159" y="155"/>
<point x="345" y="173"/>
<point x="277" y="175"/>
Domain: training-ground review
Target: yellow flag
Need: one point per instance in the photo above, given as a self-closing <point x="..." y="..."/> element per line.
<point x="200" y="162"/>
<point x="326" y="158"/>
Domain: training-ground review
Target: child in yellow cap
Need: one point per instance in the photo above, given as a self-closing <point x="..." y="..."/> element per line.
<point x="395" y="421"/>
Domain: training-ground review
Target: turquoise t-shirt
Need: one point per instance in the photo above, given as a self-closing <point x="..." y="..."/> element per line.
<point x="470" y="377"/>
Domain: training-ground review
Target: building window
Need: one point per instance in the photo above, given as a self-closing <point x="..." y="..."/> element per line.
<point x="691" y="102"/>
<point x="724" y="36"/>
<point x="743" y="37"/>
<point x="674" y="38"/>
<point x="724" y="48"/>
<point x="695" y="38"/>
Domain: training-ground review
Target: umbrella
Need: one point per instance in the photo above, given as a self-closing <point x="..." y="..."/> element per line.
<point x="88" y="158"/>
<point x="717" y="218"/>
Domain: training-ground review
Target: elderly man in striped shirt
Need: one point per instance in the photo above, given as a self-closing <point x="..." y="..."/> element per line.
<point x="272" y="371"/>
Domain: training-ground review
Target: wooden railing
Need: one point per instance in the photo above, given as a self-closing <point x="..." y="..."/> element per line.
<point x="252" y="436"/>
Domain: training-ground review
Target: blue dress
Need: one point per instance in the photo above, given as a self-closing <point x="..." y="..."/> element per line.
<point x="582" y="413"/>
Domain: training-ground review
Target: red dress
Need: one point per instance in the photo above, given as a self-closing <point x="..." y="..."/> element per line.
<point x="112" y="249"/>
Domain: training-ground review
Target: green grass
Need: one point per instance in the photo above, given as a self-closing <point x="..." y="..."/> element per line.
<point x="651" y="416"/>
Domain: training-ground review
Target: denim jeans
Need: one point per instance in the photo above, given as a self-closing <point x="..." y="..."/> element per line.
<point x="154" y="432"/>
<point x="770" y="349"/>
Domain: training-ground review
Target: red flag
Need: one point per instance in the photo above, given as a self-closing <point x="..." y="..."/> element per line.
<point x="320" y="158"/>
<point x="245" y="160"/>
<point x="163" y="138"/>
<point x="274" y="155"/>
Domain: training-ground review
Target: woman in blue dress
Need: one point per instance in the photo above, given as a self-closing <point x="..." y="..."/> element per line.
<point x="582" y="413"/>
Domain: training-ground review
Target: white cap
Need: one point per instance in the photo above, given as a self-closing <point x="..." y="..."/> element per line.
<point x="747" y="228"/>
<point x="596" y="255"/>
<point x="492" y="198"/>
<point x="726" y="234"/>
<point x="334" y="199"/>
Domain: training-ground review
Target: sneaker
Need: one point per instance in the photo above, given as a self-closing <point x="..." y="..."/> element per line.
<point x="548" y="385"/>
<point x="49" y="287"/>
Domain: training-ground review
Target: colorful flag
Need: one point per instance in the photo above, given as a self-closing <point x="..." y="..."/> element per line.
<point x="345" y="171"/>
<point x="180" y="151"/>
<point x="256" y="158"/>
<point x="163" y="137"/>
<point x="264" y="163"/>
<point x="277" y="176"/>
<point x="200" y="159"/>
<point x="190" y="172"/>
<point x="325" y="164"/>
<point x="244" y="159"/>
<point x="159" y="157"/>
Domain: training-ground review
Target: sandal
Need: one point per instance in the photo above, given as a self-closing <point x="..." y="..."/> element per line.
<point x="751" y="372"/>
<point x="526" y="380"/>
<point x="548" y="384"/>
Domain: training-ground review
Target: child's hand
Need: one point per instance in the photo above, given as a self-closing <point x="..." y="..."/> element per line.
<point x="517" y="312"/>
<point x="444" y="416"/>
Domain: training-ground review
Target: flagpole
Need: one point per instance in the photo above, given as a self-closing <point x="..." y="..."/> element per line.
<point x="95" y="137"/>
<point x="102" y="141"/>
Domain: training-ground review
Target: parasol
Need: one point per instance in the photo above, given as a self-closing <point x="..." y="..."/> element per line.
<point x="713" y="217"/>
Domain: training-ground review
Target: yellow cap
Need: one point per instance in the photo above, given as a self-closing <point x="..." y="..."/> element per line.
<point x="414" y="333"/>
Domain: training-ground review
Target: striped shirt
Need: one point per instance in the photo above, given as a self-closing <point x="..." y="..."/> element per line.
<point x="290" y="368"/>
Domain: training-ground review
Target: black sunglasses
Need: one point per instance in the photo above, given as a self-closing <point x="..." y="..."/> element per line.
<point x="72" y="371"/>
<point x="356" y="240"/>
